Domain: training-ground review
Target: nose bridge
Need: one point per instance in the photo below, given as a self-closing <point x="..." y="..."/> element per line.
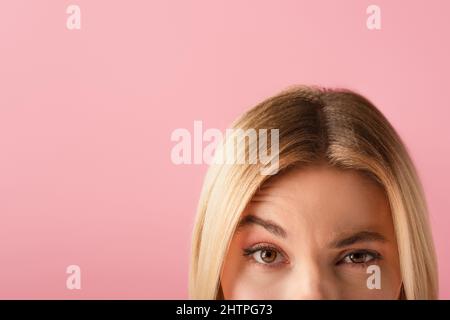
<point x="312" y="281"/>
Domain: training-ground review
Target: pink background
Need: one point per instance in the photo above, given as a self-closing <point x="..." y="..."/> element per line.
<point x="86" y="116"/>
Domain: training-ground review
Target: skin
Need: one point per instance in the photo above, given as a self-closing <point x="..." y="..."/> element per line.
<point x="315" y="230"/>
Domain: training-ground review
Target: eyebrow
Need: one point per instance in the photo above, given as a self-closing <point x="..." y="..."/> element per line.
<point x="362" y="236"/>
<point x="266" y="224"/>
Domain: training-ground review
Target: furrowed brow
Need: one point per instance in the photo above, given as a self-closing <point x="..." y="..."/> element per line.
<point x="270" y="226"/>
<point x="362" y="236"/>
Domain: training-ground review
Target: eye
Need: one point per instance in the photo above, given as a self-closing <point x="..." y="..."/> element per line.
<point x="265" y="255"/>
<point x="360" y="257"/>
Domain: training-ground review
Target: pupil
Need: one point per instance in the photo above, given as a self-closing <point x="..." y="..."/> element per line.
<point x="268" y="255"/>
<point x="357" y="257"/>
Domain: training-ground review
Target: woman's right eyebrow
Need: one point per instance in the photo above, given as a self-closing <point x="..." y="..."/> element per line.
<point x="270" y="226"/>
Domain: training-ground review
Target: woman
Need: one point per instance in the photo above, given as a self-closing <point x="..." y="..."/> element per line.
<point x="344" y="217"/>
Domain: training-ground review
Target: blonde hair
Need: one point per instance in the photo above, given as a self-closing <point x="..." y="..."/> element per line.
<point x="315" y="124"/>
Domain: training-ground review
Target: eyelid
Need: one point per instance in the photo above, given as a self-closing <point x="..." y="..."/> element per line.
<point x="261" y="246"/>
<point x="376" y="256"/>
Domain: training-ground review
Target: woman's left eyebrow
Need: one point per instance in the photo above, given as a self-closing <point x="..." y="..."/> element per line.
<point x="362" y="236"/>
<point x="270" y="226"/>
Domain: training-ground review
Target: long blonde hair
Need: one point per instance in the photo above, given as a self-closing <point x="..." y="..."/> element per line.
<point x="315" y="124"/>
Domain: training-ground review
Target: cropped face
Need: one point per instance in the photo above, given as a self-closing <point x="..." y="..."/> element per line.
<point x="314" y="233"/>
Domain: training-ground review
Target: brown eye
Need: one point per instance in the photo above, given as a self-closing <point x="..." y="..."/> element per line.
<point x="268" y="256"/>
<point x="359" y="257"/>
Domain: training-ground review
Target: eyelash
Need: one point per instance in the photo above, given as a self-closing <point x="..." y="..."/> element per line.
<point x="250" y="251"/>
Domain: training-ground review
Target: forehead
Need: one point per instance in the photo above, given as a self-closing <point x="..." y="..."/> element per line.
<point x="346" y="199"/>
